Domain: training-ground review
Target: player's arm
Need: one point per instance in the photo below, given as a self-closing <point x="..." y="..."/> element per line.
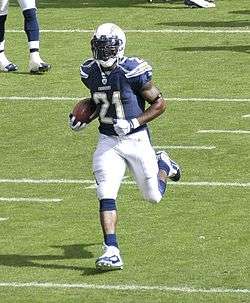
<point x="153" y="96"/>
<point x="75" y="124"/>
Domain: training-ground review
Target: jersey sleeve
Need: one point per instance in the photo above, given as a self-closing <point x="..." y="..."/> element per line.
<point x="85" y="71"/>
<point x="139" y="73"/>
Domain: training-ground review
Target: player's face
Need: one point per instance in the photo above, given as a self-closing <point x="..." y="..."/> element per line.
<point x="105" y="50"/>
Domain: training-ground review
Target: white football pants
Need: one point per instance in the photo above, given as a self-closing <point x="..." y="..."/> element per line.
<point x="24" y="4"/>
<point x="113" y="154"/>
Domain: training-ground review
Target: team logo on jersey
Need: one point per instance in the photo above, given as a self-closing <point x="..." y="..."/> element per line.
<point x="104" y="81"/>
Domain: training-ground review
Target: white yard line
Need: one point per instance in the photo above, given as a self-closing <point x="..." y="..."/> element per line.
<point x="211" y="99"/>
<point x="40" y="200"/>
<point x="246" y="116"/>
<point x="184" y="147"/>
<point x="47" y="181"/>
<point x="124" y="287"/>
<point x="58" y="98"/>
<point x="222" y="131"/>
<point x="90" y="186"/>
<point x="35" y="98"/>
<point x="92" y="182"/>
<point x="213" y="184"/>
<point x="148" y="31"/>
<point x="4" y="219"/>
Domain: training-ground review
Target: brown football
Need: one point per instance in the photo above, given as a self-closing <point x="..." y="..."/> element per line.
<point x="85" y="110"/>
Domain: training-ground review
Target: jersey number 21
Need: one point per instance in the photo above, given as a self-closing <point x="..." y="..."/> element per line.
<point x="102" y="98"/>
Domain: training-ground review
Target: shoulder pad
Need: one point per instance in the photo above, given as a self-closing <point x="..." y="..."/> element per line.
<point x="134" y="67"/>
<point x="86" y="67"/>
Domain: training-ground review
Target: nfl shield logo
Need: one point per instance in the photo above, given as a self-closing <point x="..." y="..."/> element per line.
<point x="104" y="81"/>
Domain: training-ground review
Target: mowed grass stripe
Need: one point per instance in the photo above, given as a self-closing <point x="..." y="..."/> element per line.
<point x="91" y="182"/>
<point x="125" y="287"/>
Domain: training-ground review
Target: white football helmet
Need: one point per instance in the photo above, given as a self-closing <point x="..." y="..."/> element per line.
<point x="108" y="44"/>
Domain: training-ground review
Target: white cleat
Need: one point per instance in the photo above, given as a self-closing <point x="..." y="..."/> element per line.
<point x="200" y="3"/>
<point x="173" y="169"/>
<point x="6" y="65"/>
<point x="37" y="65"/>
<point x="110" y="260"/>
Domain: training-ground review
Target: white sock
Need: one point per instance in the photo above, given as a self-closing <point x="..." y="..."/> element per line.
<point x="34" y="44"/>
<point x="2" y="46"/>
<point x="3" y="59"/>
<point x="35" y="57"/>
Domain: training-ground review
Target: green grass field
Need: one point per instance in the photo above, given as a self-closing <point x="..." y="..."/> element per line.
<point x="195" y="243"/>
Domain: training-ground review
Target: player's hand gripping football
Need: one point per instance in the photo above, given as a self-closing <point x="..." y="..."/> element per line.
<point x="74" y="124"/>
<point x="123" y="127"/>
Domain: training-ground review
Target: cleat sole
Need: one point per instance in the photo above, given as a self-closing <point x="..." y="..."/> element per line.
<point x="107" y="267"/>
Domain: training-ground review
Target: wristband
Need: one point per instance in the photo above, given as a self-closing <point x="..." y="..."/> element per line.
<point x="134" y="123"/>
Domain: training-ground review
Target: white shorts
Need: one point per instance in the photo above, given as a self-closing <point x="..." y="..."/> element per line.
<point x="24" y="4"/>
<point x="113" y="154"/>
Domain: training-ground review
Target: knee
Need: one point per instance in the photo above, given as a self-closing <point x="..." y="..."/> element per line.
<point x="106" y="187"/>
<point x="104" y="191"/>
<point x="27" y="4"/>
<point x="3" y="14"/>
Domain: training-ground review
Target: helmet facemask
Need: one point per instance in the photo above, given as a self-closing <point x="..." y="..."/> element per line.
<point x="108" y="44"/>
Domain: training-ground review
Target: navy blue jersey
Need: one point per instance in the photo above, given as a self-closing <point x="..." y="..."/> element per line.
<point x="117" y="92"/>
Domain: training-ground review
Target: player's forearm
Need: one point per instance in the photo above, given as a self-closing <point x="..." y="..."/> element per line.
<point x="153" y="111"/>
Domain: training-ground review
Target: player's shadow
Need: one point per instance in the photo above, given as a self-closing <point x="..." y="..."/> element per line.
<point x="86" y="3"/>
<point x="235" y="48"/>
<point x="27" y="73"/>
<point x="241" y="12"/>
<point x="97" y="3"/>
<point x="197" y="24"/>
<point x="75" y="251"/>
<point x="168" y="1"/>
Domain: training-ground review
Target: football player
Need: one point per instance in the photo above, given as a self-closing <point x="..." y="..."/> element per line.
<point x="120" y="86"/>
<point x="31" y="27"/>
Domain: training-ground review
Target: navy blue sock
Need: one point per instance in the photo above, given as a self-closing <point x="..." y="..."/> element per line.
<point x="110" y="240"/>
<point x="162" y="186"/>
<point x="2" y="27"/>
<point x="31" y="26"/>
